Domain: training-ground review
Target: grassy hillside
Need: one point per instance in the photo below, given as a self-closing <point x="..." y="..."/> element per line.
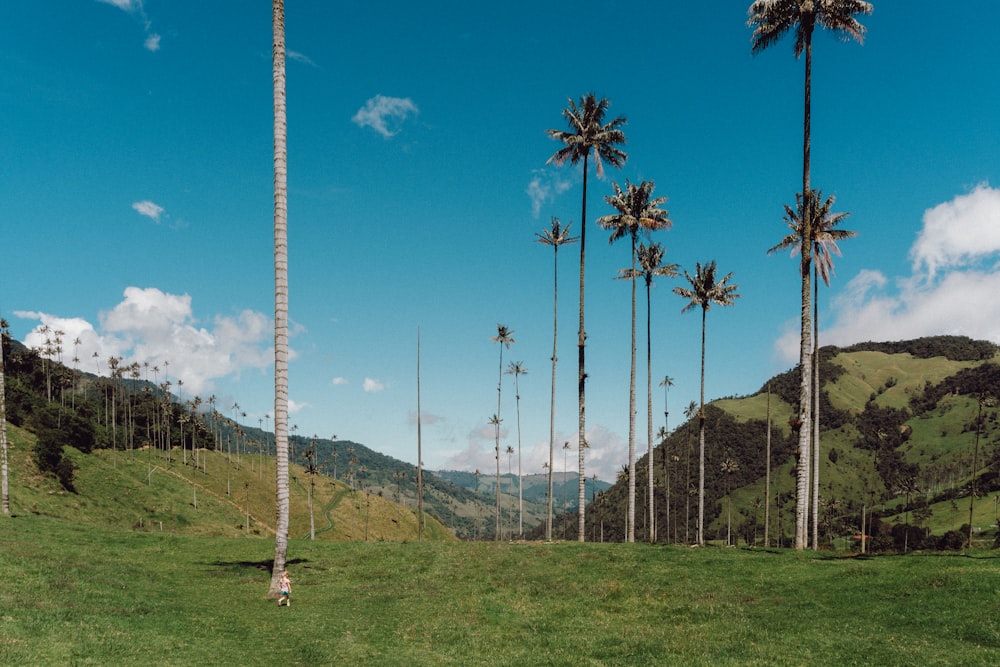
<point x="86" y="595"/>
<point x="898" y="441"/>
<point x="142" y="490"/>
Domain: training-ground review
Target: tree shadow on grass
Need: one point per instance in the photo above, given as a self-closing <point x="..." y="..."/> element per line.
<point x="265" y="565"/>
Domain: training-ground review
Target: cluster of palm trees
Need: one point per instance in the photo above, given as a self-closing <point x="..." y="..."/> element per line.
<point x="814" y="236"/>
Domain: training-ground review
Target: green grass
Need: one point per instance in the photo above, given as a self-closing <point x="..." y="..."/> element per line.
<point x="76" y="594"/>
<point x="893" y="378"/>
<point x="142" y="489"/>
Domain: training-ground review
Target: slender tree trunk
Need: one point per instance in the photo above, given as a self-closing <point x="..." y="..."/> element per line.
<point x="520" y="494"/>
<point x="420" y="463"/>
<point x="767" y="474"/>
<point x="805" y="352"/>
<point x="582" y="375"/>
<point x="631" y="417"/>
<point x="499" y="520"/>
<point x="552" y="403"/>
<point x="280" y="298"/>
<point x="3" y="434"/>
<point x="701" y="439"/>
<point x="815" y="417"/>
<point x="649" y="430"/>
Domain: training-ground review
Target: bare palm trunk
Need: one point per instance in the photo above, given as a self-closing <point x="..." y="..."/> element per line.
<point x="701" y="439"/>
<point x="767" y="474"/>
<point x="630" y="537"/>
<point x="649" y="432"/>
<point x="499" y="508"/>
<point x="552" y="404"/>
<point x="815" y="417"/>
<point x="420" y="463"/>
<point x="3" y="434"/>
<point x="520" y="496"/>
<point x="280" y="298"/>
<point x="582" y="375"/>
<point x="805" y="351"/>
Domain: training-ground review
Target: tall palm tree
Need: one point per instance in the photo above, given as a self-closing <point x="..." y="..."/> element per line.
<point x="650" y="266"/>
<point x="280" y="297"/>
<point x="556" y="236"/>
<point x="637" y="212"/>
<point x="771" y="20"/>
<point x="504" y="337"/>
<point x="588" y="134"/>
<point x="516" y="368"/>
<point x="813" y="232"/>
<point x="704" y="291"/>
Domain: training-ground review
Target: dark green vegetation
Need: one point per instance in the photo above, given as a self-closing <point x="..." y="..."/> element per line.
<point x="899" y="440"/>
<point x="79" y="594"/>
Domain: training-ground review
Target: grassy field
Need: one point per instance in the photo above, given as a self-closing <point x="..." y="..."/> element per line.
<point x="80" y="595"/>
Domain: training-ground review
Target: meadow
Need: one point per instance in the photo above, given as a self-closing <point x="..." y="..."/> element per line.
<point x="76" y="594"/>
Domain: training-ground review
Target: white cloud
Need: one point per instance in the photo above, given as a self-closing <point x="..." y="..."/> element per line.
<point x="952" y="290"/>
<point x="338" y="381"/>
<point x="544" y="187"/>
<point x="381" y="111"/>
<point x="148" y="209"/>
<point x="301" y="57"/>
<point x="159" y="329"/>
<point x="125" y="5"/>
<point x="958" y="232"/>
<point x="152" y="42"/>
<point x="602" y="458"/>
<point x="371" y="386"/>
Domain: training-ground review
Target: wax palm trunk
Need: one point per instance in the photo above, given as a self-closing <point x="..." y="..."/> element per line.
<point x="3" y="431"/>
<point x="280" y="299"/>
<point x="581" y="377"/>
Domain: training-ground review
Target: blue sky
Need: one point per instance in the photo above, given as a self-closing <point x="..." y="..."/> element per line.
<point x="138" y="200"/>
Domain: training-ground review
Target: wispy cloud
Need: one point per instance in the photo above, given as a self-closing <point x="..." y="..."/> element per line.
<point x="385" y="114"/>
<point x="135" y="7"/>
<point x="951" y="290"/>
<point x="300" y="57"/>
<point x="544" y="187"/>
<point x="372" y="386"/>
<point x="148" y="209"/>
<point x="338" y="381"/>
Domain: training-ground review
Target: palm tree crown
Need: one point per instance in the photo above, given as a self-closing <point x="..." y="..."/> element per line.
<point x="637" y="210"/>
<point x="557" y="235"/>
<point x="706" y="289"/>
<point x="589" y="133"/>
<point x="771" y="19"/>
<point x="823" y="233"/>
<point x="650" y="258"/>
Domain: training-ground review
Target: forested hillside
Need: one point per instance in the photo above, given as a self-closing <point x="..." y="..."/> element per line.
<point x="907" y="429"/>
